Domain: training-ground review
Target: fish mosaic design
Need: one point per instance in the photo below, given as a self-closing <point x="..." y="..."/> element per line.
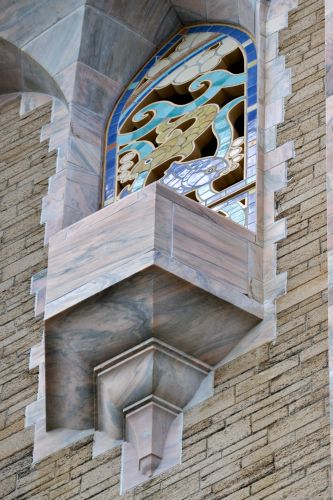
<point x="189" y="120"/>
<point x="190" y="176"/>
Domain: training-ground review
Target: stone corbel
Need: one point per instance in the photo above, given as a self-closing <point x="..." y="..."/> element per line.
<point x="144" y="299"/>
<point x="141" y="392"/>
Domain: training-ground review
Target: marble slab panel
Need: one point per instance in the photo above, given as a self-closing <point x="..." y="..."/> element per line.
<point x="279" y="155"/>
<point x="88" y="89"/>
<point x="36" y="79"/>
<point x="277" y="23"/>
<point x="222" y="10"/>
<point x="152" y="303"/>
<point x="153" y="19"/>
<point x="146" y="429"/>
<point x="278" y="8"/>
<point x="274" y="113"/>
<point x="10" y="68"/>
<point x="38" y="288"/>
<point x="247" y="14"/>
<point x="220" y="289"/>
<point x="21" y="21"/>
<point x="82" y="189"/>
<point x="88" y="126"/>
<point x="277" y="80"/>
<point x="241" y="12"/>
<point x="190" y="10"/>
<point x="131" y="476"/>
<point x="47" y="443"/>
<point x="103" y="33"/>
<point x="271" y="47"/>
<point x="84" y="156"/>
<point x="112" y="245"/>
<point x="94" y="90"/>
<point x="157" y="220"/>
<point x="66" y="80"/>
<point x="224" y="223"/>
<point x="62" y="41"/>
<point x="31" y="101"/>
<point x="197" y="240"/>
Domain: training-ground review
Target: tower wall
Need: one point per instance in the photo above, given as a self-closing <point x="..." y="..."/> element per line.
<point x="265" y="433"/>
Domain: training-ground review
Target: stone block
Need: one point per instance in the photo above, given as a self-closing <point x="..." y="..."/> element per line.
<point x="153" y="19"/>
<point x="63" y="41"/>
<point x="24" y="21"/>
<point x="223" y="10"/>
<point x="190" y="10"/>
<point x="102" y="33"/>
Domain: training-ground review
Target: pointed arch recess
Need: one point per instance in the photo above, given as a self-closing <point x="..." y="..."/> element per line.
<point x="188" y="119"/>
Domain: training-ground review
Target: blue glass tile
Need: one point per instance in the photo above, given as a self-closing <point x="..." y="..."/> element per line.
<point x="252" y="115"/>
<point x="251" y="159"/>
<point x="110" y="176"/>
<point x="251" y="58"/>
<point x="252" y="73"/>
<point x="239" y="35"/>
<point x="163" y="51"/>
<point x="117" y="113"/>
<point x="111" y="155"/>
<point x="251" y="136"/>
<point x="252" y="80"/>
<point x="252" y="129"/>
<point x="251" y="171"/>
<point x="198" y="29"/>
<point x="113" y="126"/>
<point x="252" y="133"/>
<point x="122" y="101"/>
<point x="251" y="151"/>
<point x="112" y="137"/>
<point x="251" y="162"/>
<point x="252" y="90"/>
<point x="251" y="52"/>
<point x="252" y="99"/>
<point x="223" y="29"/>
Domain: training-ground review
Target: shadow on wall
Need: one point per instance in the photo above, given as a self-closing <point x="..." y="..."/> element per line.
<point x="20" y="73"/>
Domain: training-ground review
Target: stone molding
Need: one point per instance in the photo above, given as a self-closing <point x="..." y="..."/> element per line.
<point x="164" y="384"/>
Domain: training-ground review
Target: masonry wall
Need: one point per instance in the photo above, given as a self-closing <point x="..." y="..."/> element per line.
<point x="265" y="433"/>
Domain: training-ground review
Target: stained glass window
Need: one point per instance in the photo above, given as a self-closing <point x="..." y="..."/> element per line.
<point x="189" y="120"/>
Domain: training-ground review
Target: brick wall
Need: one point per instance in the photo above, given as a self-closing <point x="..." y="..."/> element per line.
<point x="265" y="433"/>
<point x="25" y="166"/>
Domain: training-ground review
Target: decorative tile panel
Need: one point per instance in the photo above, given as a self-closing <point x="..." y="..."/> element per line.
<point x="189" y="121"/>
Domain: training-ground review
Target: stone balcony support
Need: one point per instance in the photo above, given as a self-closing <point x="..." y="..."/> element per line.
<point x="143" y="300"/>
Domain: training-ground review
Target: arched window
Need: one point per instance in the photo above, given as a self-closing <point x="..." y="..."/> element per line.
<point x="189" y="120"/>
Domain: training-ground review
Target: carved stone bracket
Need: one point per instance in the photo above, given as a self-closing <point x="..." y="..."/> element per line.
<point x="167" y="293"/>
<point x="147" y="429"/>
<point x="141" y="392"/>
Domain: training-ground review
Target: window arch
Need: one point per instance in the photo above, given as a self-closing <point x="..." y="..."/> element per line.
<point x="188" y="119"/>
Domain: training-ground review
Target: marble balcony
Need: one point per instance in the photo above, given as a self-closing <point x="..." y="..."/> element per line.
<point x="143" y="300"/>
